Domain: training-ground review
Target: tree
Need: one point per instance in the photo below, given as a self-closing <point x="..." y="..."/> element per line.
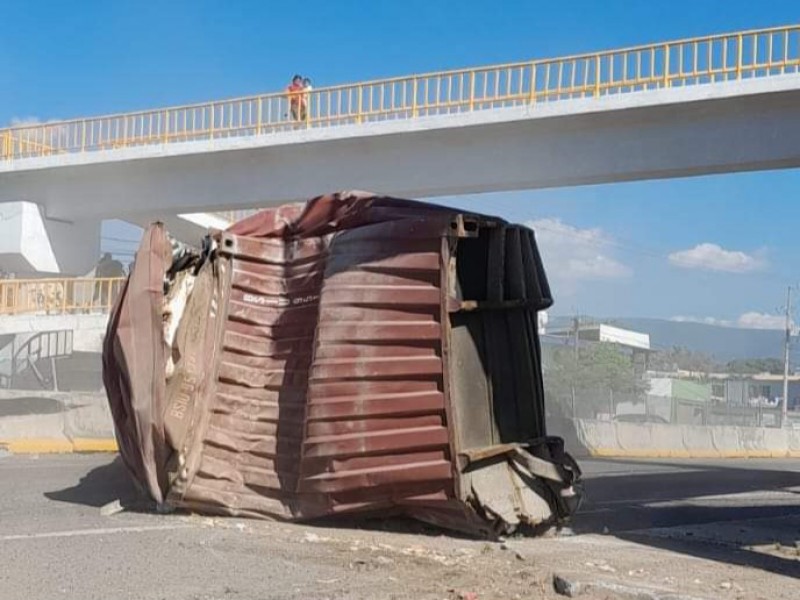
<point x="601" y="376"/>
<point x="752" y="366"/>
<point x="679" y="358"/>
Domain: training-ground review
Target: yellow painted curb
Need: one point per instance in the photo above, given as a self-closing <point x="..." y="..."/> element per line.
<point x="669" y="453"/>
<point x="95" y="445"/>
<point x="56" y="446"/>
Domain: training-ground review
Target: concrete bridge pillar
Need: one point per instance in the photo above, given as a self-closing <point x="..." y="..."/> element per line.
<point x="33" y="244"/>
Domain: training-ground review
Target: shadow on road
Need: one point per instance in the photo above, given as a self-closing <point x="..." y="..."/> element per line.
<point x="727" y="552"/>
<point x="687" y="508"/>
<point x="693" y="509"/>
<point x="100" y="486"/>
<point x="34" y="405"/>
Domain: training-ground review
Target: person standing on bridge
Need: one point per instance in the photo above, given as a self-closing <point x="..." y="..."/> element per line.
<point x="107" y="269"/>
<point x="307" y="88"/>
<point x="296" y="98"/>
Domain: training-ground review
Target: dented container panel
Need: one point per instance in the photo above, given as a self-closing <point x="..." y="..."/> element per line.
<point x="360" y="354"/>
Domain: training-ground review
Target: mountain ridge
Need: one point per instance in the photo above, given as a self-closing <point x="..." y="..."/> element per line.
<point x="722" y="343"/>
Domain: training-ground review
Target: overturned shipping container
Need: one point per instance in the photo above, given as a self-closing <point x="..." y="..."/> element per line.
<point x="353" y="355"/>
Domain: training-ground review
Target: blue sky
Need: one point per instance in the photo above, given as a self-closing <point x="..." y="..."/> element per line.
<point x="608" y="247"/>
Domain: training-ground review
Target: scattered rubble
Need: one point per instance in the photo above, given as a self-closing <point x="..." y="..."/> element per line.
<point x="112" y="508"/>
<point x="573" y="586"/>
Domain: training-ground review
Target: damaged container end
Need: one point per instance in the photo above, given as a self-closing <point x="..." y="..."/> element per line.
<point x="356" y="354"/>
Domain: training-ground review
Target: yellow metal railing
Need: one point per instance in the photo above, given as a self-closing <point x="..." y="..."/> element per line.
<point x="11" y="142"/>
<point x="58" y="296"/>
<point x="696" y="61"/>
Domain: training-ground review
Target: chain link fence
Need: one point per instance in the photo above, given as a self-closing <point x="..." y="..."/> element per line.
<point x="585" y="383"/>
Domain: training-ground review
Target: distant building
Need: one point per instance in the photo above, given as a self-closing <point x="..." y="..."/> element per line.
<point x="678" y="400"/>
<point x="681" y="389"/>
<point x="761" y="389"/>
<point x="720" y="398"/>
<point x="764" y="390"/>
<point x="634" y="343"/>
<point x="627" y="338"/>
<point x="609" y="334"/>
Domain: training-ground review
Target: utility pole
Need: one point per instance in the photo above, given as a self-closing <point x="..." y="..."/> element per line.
<point x="785" y="402"/>
<point x="576" y="324"/>
<point x="576" y="327"/>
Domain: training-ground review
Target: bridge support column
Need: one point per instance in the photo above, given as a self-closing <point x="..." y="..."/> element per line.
<point x="32" y="244"/>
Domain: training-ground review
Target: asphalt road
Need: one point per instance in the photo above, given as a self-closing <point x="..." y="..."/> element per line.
<point x="632" y="495"/>
<point x="55" y="543"/>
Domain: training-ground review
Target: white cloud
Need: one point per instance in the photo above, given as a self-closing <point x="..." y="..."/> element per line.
<point x="572" y="255"/>
<point x="22" y="121"/>
<point x="712" y="257"/>
<point x="703" y="320"/>
<point x="748" y="320"/>
<point x="757" y="320"/>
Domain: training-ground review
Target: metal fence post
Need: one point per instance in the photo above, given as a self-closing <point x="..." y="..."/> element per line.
<point x="739" y="55"/>
<point x="597" y="67"/>
<point x="211" y="123"/>
<point x="472" y="90"/>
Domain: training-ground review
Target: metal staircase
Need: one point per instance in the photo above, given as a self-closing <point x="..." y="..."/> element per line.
<point x="24" y="356"/>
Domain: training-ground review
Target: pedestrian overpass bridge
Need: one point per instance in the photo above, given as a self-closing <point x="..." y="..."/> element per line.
<point x="717" y="104"/>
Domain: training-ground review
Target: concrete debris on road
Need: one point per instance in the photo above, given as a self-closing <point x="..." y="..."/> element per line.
<point x="573" y="586"/>
<point x="112" y="508"/>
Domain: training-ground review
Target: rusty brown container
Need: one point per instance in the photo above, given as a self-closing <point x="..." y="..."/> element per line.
<point x="354" y="355"/>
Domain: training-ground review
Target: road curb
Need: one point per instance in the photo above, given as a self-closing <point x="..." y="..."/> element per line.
<point x="670" y="453"/>
<point x="58" y="446"/>
<point x="655" y="440"/>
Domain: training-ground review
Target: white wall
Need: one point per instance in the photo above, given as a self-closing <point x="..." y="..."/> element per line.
<point x="88" y="331"/>
<point x="32" y="243"/>
<point x="11" y="225"/>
